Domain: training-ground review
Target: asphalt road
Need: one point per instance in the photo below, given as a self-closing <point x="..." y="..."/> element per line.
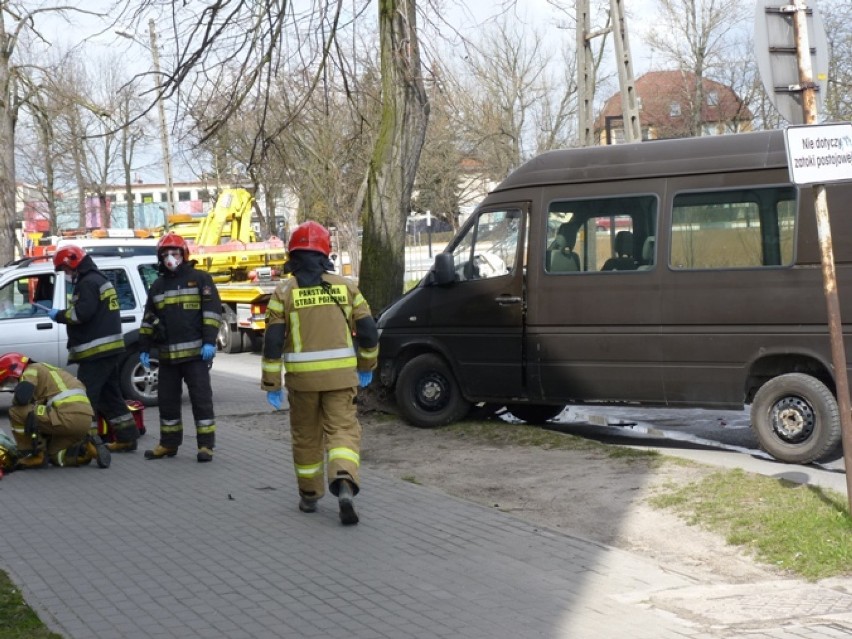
<point x="676" y="428"/>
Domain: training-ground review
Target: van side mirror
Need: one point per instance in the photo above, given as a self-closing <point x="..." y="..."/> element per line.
<point x="443" y="271"/>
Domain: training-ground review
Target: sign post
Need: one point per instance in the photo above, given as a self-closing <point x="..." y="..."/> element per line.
<point x="817" y="154"/>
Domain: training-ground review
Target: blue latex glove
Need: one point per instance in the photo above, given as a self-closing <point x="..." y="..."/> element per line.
<point x="145" y="360"/>
<point x="275" y="398"/>
<point x="207" y="352"/>
<point x="364" y="378"/>
<point x="52" y="313"/>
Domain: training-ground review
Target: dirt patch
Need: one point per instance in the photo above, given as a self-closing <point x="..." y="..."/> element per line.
<point x="579" y="492"/>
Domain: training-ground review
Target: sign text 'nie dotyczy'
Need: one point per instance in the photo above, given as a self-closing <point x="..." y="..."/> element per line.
<point x="819" y="153"/>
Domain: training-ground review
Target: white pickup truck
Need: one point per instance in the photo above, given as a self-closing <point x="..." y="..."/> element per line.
<point x="29" y="287"/>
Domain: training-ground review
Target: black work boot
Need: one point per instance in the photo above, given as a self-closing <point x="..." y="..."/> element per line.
<point x="346" y="501"/>
<point x="307" y="505"/>
<point x="204" y="455"/>
<point x="126" y="435"/>
<point x="97" y="450"/>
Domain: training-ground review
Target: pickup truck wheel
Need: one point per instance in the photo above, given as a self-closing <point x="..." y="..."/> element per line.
<point x="229" y="338"/>
<point x="427" y="393"/>
<point x="139" y="383"/>
<point x="534" y="414"/>
<point x="795" y="418"/>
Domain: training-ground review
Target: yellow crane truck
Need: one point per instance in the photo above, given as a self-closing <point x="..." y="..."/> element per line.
<point x="223" y="243"/>
<point x="245" y="270"/>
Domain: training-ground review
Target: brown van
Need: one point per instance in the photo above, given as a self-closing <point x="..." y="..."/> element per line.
<point x="681" y="273"/>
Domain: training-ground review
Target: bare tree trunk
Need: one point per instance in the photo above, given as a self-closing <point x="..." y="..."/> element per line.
<point x="46" y="139"/>
<point x="77" y="157"/>
<point x="390" y="177"/>
<point x="128" y="191"/>
<point x="8" y="115"/>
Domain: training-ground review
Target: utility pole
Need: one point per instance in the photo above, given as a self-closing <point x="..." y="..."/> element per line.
<point x="586" y="73"/>
<point x="810" y="114"/>
<point x="164" y="130"/>
<point x="629" y="103"/>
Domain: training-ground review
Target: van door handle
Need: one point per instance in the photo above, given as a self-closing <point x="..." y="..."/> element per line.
<point x="504" y="300"/>
<point x="127" y="319"/>
<point x="43" y="327"/>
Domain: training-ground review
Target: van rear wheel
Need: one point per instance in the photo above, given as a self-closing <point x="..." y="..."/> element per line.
<point x="795" y="418"/>
<point x="427" y="393"/>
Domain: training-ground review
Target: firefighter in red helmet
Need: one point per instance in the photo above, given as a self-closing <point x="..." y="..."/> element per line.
<point x="322" y="326"/>
<point x="96" y="340"/>
<point x="181" y="320"/>
<point x="50" y="416"/>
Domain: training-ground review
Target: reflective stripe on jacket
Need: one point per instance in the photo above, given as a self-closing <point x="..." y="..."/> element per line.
<point x="93" y="316"/>
<point x="56" y="390"/>
<point x="186" y="305"/>
<point x="318" y="350"/>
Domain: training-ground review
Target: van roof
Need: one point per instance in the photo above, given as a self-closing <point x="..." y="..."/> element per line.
<point x="708" y="154"/>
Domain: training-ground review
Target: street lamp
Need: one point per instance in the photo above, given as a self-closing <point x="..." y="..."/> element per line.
<point x="164" y="130"/>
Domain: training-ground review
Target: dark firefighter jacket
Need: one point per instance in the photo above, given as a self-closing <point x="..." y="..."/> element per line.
<point x="93" y="316"/>
<point x="182" y="313"/>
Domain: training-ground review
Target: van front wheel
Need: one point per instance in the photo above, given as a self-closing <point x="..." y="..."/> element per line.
<point x="795" y="418"/>
<point x="427" y="393"/>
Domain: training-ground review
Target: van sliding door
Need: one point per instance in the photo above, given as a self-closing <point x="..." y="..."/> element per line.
<point x="593" y="313"/>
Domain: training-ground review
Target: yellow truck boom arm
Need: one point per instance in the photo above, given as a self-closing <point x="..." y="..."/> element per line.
<point x="234" y="206"/>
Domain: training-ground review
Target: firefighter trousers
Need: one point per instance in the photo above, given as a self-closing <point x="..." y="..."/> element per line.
<point x="103" y="388"/>
<point x="196" y="375"/>
<point x="64" y="430"/>
<point x="324" y="426"/>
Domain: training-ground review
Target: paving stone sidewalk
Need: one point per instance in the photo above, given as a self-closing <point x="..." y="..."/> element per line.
<point x="173" y="548"/>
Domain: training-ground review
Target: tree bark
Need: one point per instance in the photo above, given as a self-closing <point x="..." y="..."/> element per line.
<point x="393" y="165"/>
<point x="8" y="115"/>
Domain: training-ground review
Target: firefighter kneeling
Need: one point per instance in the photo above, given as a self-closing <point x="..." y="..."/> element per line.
<point x="51" y="416"/>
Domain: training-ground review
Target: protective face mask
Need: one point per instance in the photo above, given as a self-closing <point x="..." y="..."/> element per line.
<point x="69" y="278"/>
<point x="172" y="261"/>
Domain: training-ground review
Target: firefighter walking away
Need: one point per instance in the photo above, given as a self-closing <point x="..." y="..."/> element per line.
<point x="320" y="326"/>
<point x="50" y="416"/>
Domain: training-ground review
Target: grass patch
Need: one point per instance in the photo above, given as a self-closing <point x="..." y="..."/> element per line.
<point x="411" y="479"/>
<point x="18" y="619"/>
<point x="803" y="529"/>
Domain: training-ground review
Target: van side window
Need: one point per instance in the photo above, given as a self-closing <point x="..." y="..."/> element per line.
<point x="741" y="228"/>
<point x="599" y="235"/>
<point x="489" y="247"/>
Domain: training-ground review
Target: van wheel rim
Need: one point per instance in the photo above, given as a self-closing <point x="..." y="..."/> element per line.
<point x="432" y="392"/>
<point x="792" y="419"/>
